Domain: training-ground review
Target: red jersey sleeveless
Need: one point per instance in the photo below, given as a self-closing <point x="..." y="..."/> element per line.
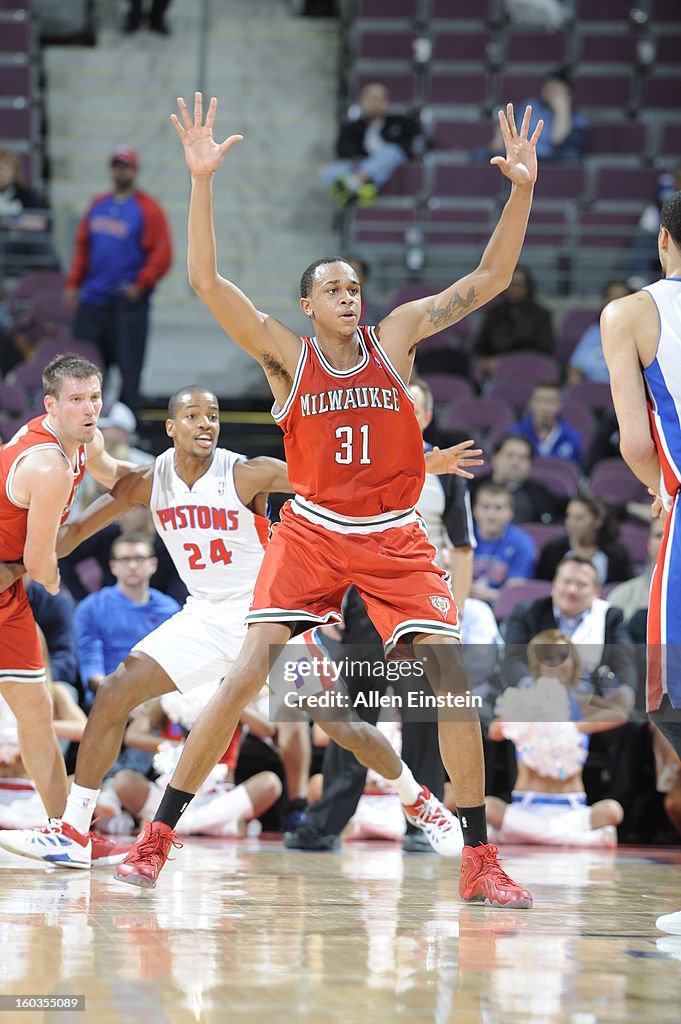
<point x="353" y="444"/>
<point x="35" y="435"/>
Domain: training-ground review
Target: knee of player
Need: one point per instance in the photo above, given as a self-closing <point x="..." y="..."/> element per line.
<point x="118" y="692"/>
<point x="127" y="784"/>
<point x="41" y="706"/>
<point x="672" y="802"/>
<point x="613" y="811"/>
<point x="272" y="785"/>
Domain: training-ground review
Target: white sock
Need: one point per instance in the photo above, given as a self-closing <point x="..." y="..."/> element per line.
<point x="406" y="786"/>
<point x="80" y="807"/>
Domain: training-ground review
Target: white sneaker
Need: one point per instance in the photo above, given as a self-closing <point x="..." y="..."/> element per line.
<point x="58" y="843"/>
<point x="670" y="923"/>
<point x="440" y="827"/>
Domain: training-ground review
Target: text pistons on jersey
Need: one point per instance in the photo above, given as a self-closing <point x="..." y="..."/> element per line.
<point x="201" y="517"/>
<point x="350" y="398"/>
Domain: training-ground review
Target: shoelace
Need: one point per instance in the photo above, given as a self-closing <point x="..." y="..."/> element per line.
<point x="431" y="813"/>
<point x="151" y="843"/>
<point x="489" y="855"/>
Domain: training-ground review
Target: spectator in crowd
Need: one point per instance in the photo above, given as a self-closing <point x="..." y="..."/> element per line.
<point x="587" y="362"/>
<point x="591" y="531"/>
<point x="547" y="430"/>
<point x="54" y="615"/>
<point x="111" y="621"/>
<point x="511" y="465"/>
<point x="644" y="262"/>
<point x="372" y="144"/>
<point x="25" y="243"/>
<point x="156" y="17"/>
<point x="549" y="801"/>
<point x="606" y="653"/>
<point x="123" y="249"/>
<point x="632" y="596"/>
<point x="565" y="133"/>
<point x="503" y="553"/>
<point x="517" y="322"/>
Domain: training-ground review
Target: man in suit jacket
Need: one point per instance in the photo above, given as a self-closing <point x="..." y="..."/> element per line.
<point x="606" y="651"/>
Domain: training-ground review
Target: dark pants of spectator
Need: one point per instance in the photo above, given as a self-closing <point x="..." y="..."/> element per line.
<point x="668" y="721"/>
<point x="119" y="330"/>
<point x="158" y="9"/>
<point x="344" y="776"/>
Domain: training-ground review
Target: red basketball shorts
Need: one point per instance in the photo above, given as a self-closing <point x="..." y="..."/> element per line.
<point x="307" y="570"/>
<point x="21" y="658"/>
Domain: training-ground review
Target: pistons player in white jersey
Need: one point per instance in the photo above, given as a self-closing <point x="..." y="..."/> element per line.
<point x="642" y="346"/>
<point x="356" y="465"/>
<point x="208" y="506"/>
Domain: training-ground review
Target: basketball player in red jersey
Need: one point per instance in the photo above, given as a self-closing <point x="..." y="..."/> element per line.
<point x="355" y="460"/>
<point x="40" y="470"/>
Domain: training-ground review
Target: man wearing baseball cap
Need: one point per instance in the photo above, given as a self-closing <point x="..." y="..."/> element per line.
<point x="123" y="248"/>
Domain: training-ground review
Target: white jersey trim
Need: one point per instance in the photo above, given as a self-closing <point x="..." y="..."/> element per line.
<point x="22" y="455"/>
<point x="428" y="626"/>
<point x="277" y="413"/>
<point x="338" y="523"/>
<point x="364" y="359"/>
<point x="389" y="366"/>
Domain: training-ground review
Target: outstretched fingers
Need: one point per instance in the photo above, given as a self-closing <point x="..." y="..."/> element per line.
<point x="537" y="132"/>
<point x="228" y="143"/>
<point x="198" y="110"/>
<point x="184" y="114"/>
<point x="505" y="129"/>
<point x="210" y="116"/>
<point x="510" y="116"/>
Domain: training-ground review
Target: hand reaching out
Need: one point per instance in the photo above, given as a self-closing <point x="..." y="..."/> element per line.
<point x="456" y="460"/>
<point x="202" y="153"/>
<point x="520" y="162"/>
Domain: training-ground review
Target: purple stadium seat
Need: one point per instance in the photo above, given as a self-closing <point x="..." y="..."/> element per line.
<point x="382" y="224"/>
<point x="613" y="481"/>
<point x="632" y="184"/>
<point x="670" y="144"/>
<point x="599" y="230"/>
<point x="478" y="181"/>
<point x="662" y="91"/>
<point x="609" y="90"/>
<point x="516" y="87"/>
<point x="9" y="425"/>
<point x="15" y="36"/>
<point x="571" y="329"/>
<point x="12" y="398"/>
<point x="550" y="227"/>
<point x="400" y="85"/>
<point x="560" y="182"/>
<point x="471" y="88"/>
<point x="406" y="181"/>
<point x="590" y="394"/>
<point x="477" y="414"/>
<point x="49" y="308"/>
<point x="536" y="47"/>
<point x="386" y="45"/>
<point x="608" y="48"/>
<point x="542" y="533"/>
<point x="460" y="46"/>
<point x="31" y="284"/>
<point x="15" y="5"/>
<point x="512" y="595"/>
<point x="618" y="138"/>
<point x="447" y="388"/>
<point x="463" y="10"/>
<point x="602" y="10"/>
<point x="415" y="290"/>
<point x="515" y="390"/>
<point x="558" y="475"/>
<point x="394" y="9"/>
<point x="15" y="80"/>
<point x="634" y="536"/>
<point x="29" y="377"/>
<point x="470" y="224"/>
<point x="457" y="135"/>
<point x="530" y="366"/>
<point x="667" y="48"/>
<point x="49" y="348"/>
<point x="16" y="123"/>
<point x="665" y="11"/>
<point x="582" y="418"/>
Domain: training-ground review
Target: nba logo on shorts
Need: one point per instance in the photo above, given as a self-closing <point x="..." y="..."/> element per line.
<point x="442" y="605"/>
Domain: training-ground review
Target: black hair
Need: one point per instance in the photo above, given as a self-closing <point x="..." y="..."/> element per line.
<point x="560" y="75"/>
<point x="579" y="560"/>
<point x="175" y="400"/>
<point x="529" y="281"/>
<point x="609" y="530"/>
<point x="307" y="280"/>
<point x="670" y="217"/>
<point x="132" y="538"/>
<point x="70" y="365"/>
<point x="514" y="437"/>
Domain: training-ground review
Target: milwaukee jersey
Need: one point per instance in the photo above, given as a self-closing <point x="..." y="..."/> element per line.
<point x="353" y="445"/>
<point x="36" y="435"/>
<point x="215" y="542"/>
<point x="663" y="378"/>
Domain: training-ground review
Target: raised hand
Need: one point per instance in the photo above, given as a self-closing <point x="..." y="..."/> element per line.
<point x="456" y="460"/>
<point x="202" y="153"/>
<point x="520" y="162"/>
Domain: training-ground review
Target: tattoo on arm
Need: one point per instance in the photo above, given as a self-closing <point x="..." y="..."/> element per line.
<point x="456" y="309"/>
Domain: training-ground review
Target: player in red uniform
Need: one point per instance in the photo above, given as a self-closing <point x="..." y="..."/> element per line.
<point x="40" y="470"/>
<point x="355" y="459"/>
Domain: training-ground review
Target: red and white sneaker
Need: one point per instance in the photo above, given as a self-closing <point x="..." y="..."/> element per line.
<point x="440" y="827"/>
<point x="482" y="880"/>
<point x="145" y="859"/>
<point x="106" y="850"/>
<point x="57" y="843"/>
